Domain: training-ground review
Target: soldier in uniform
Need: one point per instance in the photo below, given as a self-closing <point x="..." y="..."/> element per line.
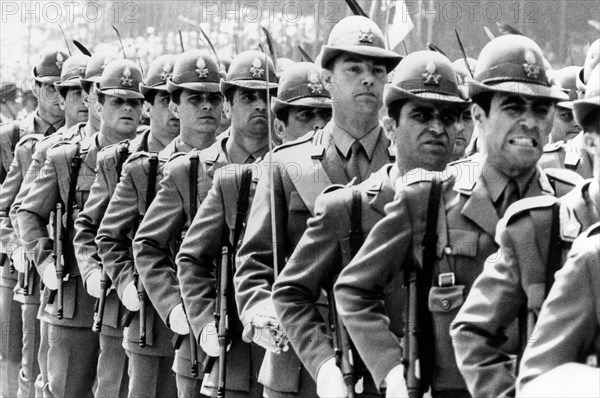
<point x="465" y="135"/>
<point x="565" y="127"/>
<point x="572" y="155"/>
<point x="150" y="361"/>
<point x="351" y="146"/>
<point x="535" y="237"/>
<point x="301" y="105"/>
<point x="424" y="105"/>
<point x="163" y="129"/>
<point x="187" y="178"/>
<point x="48" y="117"/>
<point x="28" y="293"/>
<point x="64" y="183"/>
<point x="512" y="109"/>
<point x="9" y="108"/>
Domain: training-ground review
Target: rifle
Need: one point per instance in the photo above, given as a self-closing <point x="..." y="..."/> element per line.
<point x="60" y="270"/>
<point x="418" y="333"/>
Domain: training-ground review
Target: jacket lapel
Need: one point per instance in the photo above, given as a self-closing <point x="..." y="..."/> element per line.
<point x="480" y="209"/>
<point x="381" y="154"/>
<point x="331" y="160"/>
<point x="381" y="191"/>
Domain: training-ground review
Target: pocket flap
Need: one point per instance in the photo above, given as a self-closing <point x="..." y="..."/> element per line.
<point x="446" y="299"/>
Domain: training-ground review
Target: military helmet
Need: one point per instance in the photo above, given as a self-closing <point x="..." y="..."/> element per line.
<point x="301" y="85"/>
<point x="195" y="70"/>
<point x="95" y="67"/>
<point x="591" y="102"/>
<point x="158" y="72"/>
<point x="71" y="73"/>
<point x="592" y="59"/>
<point x="283" y="64"/>
<point x="464" y="74"/>
<point x="566" y="80"/>
<point x="424" y="75"/>
<point x="513" y="64"/>
<point x="49" y="66"/>
<point x="358" y="35"/>
<point x="248" y="70"/>
<point x="121" y="78"/>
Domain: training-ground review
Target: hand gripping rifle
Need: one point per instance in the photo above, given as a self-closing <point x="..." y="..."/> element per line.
<point x="342" y="345"/>
<point x="418" y="334"/>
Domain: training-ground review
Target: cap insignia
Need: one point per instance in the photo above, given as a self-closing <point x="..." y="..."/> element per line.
<point x="126" y="79"/>
<point x="256" y="69"/>
<point x="202" y="70"/>
<point x="365" y="35"/>
<point x="532" y="69"/>
<point x="430" y="77"/>
<point x="59" y="61"/>
<point x="166" y="72"/>
<point x="314" y="84"/>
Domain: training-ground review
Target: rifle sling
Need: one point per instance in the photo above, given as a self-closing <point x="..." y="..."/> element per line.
<point x="68" y="249"/>
<point x="193" y="185"/>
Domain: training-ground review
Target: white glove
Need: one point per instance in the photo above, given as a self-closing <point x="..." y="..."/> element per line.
<point x="49" y="276"/>
<point x="130" y="297"/>
<point x="209" y="340"/>
<point x="18" y="259"/>
<point x="92" y="284"/>
<point x="178" y="321"/>
<point x="330" y="381"/>
<point x="395" y="383"/>
<point x="266" y="331"/>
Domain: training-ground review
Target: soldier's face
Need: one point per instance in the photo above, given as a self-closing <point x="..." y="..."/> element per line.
<point x="301" y="120"/>
<point x="121" y="114"/>
<point x="514" y="131"/>
<point x="89" y="100"/>
<point x="248" y="112"/>
<point x="75" y="109"/>
<point x="49" y="99"/>
<point x="162" y="120"/>
<point x="591" y="139"/>
<point x="425" y="134"/>
<point x="564" y="127"/>
<point x="463" y="135"/>
<point x="198" y="111"/>
<point x="356" y="84"/>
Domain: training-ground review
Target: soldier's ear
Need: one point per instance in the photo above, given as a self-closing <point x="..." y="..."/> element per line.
<point x="279" y="128"/>
<point x="591" y="144"/>
<point x="62" y="102"/>
<point x="99" y="107"/>
<point x="227" y="109"/>
<point x="146" y="108"/>
<point x="174" y="109"/>
<point x="326" y="77"/>
<point x="478" y="113"/>
<point x="389" y="124"/>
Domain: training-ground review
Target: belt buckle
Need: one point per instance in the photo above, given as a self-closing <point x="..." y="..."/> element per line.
<point x="446" y="279"/>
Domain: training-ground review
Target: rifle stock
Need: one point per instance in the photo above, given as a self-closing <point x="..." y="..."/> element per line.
<point x="341" y="346"/>
<point x="101" y="302"/>
<point x="222" y="317"/>
<point x="142" y="297"/>
<point x="412" y="371"/>
<point x="60" y="270"/>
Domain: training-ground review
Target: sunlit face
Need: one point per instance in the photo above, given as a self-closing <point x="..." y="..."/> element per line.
<point x="425" y="134"/>
<point x="248" y="112"/>
<point x="198" y="112"/>
<point x="514" y="132"/>
<point x="121" y="115"/>
<point x="163" y="120"/>
<point x="73" y="106"/>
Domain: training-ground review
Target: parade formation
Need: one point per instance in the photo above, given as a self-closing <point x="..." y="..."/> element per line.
<point x="367" y="224"/>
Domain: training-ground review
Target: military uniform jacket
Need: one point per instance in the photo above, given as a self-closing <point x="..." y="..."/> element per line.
<point x="124" y="212"/>
<point x="196" y="269"/>
<point x="570" y="155"/>
<point x="302" y="169"/>
<point x="51" y="186"/>
<point x="320" y="255"/>
<point x="568" y="329"/>
<point x="513" y="277"/>
<point x="466" y="225"/>
<point x="86" y="225"/>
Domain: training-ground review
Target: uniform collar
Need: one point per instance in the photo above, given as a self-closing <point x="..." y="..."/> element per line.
<point x="41" y="126"/>
<point x="240" y="155"/>
<point x="343" y="140"/>
<point x="496" y="181"/>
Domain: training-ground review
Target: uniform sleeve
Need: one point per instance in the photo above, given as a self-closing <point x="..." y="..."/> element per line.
<point x="88" y="222"/>
<point x="311" y="268"/>
<point x="197" y="258"/>
<point x="359" y="286"/>
<point x="161" y="226"/>
<point x="116" y="228"/>
<point x="8" y="193"/>
<point x="34" y="213"/>
<point x="568" y="322"/>
<point x="478" y="331"/>
<point x="254" y="276"/>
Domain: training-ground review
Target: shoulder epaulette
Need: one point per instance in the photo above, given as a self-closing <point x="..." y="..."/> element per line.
<point x="175" y="156"/>
<point x="525" y="205"/>
<point x="305" y="138"/>
<point x="553" y="146"/>
<point x="137" y="155"/>
<point x="209" y="155"/>
<point x="565" y="176"/>
<point x="333" y="188"/>
<point x="30" y="137"/>
<point x="61" y="143"/>
<point x="593" y="230"/>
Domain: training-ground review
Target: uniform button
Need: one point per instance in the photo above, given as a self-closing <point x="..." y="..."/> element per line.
<point x="445" y="304"/>
<point x="448" y="250"/>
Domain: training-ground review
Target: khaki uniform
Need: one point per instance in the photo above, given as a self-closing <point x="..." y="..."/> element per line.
<point x="569" y="155"/>
<point x="196" y="269"/>
<point x="302" y="169"/>
<point x="322" y="252"/>
<point x="568" y="329"/>
<point x="465" y="228"/>
<point x="512" y="278"/>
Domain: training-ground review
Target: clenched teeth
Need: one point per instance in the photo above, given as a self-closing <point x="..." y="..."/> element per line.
<point x="524" y="141"/>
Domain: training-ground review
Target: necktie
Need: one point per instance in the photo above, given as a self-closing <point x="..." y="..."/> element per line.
<point x="357" y="164"/>
<point x="510" y="196"/>
<point x="51" y="130"/>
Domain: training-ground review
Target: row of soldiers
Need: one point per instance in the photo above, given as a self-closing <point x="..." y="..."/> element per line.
<point x="316" y="246"/>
